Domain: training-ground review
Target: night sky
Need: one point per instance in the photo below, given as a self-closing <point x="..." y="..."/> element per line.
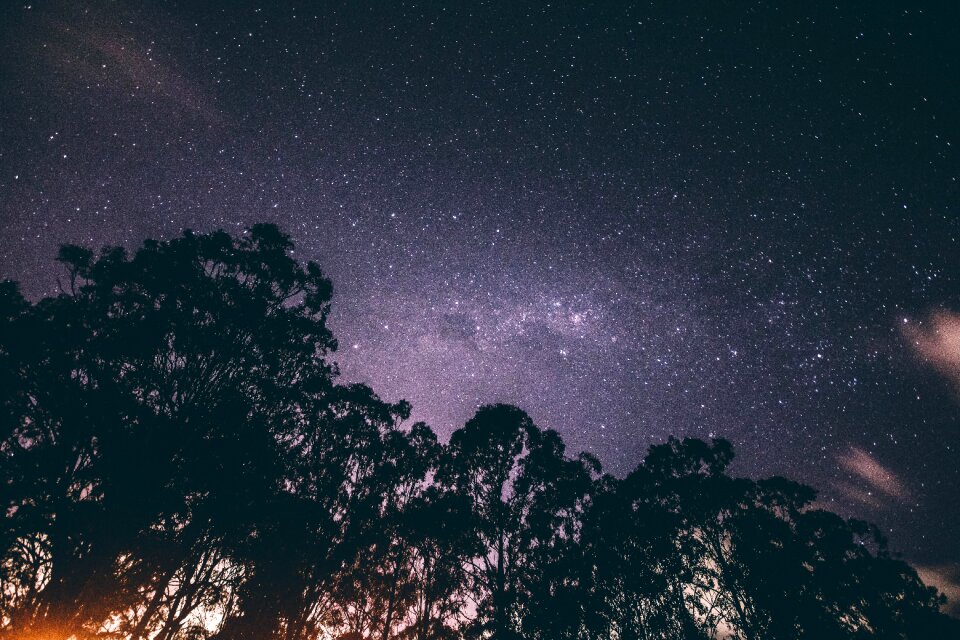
<point x="634" y="220"/>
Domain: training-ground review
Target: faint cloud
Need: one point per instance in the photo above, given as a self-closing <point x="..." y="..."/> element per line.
<point x="873" y="483"/>
<point x="127" y="66"/>
<point x="946" y="578"/>
<point x="937" y="342"/>
<point x="100" y="46"/>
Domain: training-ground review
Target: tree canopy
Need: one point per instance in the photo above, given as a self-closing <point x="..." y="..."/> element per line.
<point x="178" y="461"/>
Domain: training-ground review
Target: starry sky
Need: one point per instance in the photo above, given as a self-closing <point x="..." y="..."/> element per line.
<point x="632" y="219"/>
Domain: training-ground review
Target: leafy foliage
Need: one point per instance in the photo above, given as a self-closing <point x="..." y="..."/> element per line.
<point x="178" y="461"/>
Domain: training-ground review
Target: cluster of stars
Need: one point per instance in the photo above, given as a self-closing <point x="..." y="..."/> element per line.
<point x="632" y="222"/>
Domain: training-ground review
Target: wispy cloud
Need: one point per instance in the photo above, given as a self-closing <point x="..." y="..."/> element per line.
<point x="101" y="48"/>
<point x="119" y="61"/>
<point x="936" y="341"/>
<point x="946" y="578"/>
<point x="872" y="483"/>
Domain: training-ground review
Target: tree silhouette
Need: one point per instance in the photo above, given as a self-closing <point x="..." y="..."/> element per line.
<point x="154" y="397"/>
<point x="525" y="499"/>
<point x="178" y="461"/>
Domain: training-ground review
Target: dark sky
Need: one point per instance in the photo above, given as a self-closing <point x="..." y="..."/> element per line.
<point x="631" y="219"/>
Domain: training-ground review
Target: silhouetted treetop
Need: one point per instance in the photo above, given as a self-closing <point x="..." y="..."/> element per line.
<point x="178" y="461"/>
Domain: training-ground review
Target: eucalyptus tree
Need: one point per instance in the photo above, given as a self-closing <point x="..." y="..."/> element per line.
<point x="146" y="418"/>
<point x="178" y="461"/>
<point x="441" y="539"/>
<point x="685" y="550"/>
<point x="374" y="592"/>
<point x="526" y="498"/>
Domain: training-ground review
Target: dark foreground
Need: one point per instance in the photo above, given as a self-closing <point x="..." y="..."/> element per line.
<point x="178" y="461"/>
